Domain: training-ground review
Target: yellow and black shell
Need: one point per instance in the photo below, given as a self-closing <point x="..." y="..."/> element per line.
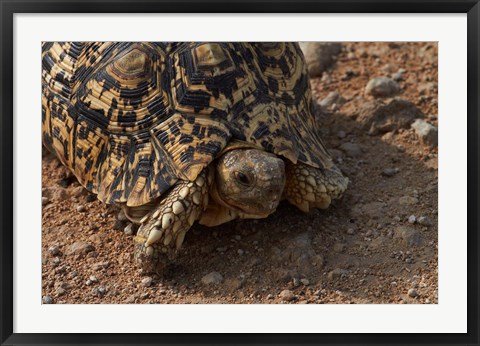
<point x="130" y="119"/>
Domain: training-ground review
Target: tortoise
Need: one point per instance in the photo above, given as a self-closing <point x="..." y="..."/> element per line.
<point x="182" y="132"/>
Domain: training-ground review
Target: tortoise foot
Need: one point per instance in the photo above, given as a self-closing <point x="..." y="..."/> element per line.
<point x="163" y="229"/>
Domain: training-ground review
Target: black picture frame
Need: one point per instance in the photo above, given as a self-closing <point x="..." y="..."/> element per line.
<point x="9" y="8"/>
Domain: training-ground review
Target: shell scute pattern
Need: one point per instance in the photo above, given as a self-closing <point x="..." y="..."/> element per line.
<point x="131" y="119"/>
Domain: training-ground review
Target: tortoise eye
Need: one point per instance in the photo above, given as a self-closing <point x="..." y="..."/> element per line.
<point x="244" y="179"/>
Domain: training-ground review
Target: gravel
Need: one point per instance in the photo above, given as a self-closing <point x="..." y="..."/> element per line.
<point x="337" y="273"/>
<point x="425" y="221"/>
<point x="390" y="172"/>
<point x="427" y="133"/>
<point x="54" y="250"/>
<point x="379" y="118"/>
<point x="320" y="56"/>
<point x="130" y="299"/>
<point x="129" y="229"/>
<point x="286" y="295"/>
<point x="351" y="149"/>
<point x="81" y="208"/>
<point x="147" y="281"/>
<point x="382" y="87"/>
<point x="409" y="236"/>
<point x="47" y="300"/>
<point x="304" y="281"/>
<point x="412" y="292"/>
<point x="213" y="278"/>
<point x="99" y="291"/>
<point x="100" y="265"/>
<point x="333" y="98"/>
<point x="59" y="194"/>
<point x="427" y="87"/>
<point x="407" y="200"/>
<point x="80" y="248"/>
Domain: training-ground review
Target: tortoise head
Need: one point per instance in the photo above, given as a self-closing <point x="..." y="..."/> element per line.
<point x="250" y="181"/>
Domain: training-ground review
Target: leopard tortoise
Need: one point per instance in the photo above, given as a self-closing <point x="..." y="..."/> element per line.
<point x="183" y="132"/>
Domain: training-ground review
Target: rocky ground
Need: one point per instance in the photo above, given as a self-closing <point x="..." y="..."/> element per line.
<point x="377" y="245"/>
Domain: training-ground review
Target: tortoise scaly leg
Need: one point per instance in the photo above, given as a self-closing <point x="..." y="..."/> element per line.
<point x="309" y="187"/>
<point x="163" y="229"/>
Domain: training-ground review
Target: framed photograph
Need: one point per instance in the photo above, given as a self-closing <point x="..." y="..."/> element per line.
<point x="263" y="172"/>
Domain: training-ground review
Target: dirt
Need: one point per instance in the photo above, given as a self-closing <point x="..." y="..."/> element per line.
<point x="378" y="244"/>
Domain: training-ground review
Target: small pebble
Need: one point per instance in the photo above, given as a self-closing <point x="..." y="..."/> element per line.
<point x="147" y="282"/>
<point x="351" y="149"/>
<point x="305" y="282"/>
<point x="56" y="261"/>
<point x="212" y="278"/>
<point x="128" y="230"/>
<point x="341" y="134"/>
<point x="93" y="278"/>
<point x="81" y="209"/>
<point x="337" y="273"/>
<point x="397" y="77"/>
<point x="222" y="249"/>
<point x="270" y="296"/>
<point x="409" y="236"/>
<point x="332" y="99"/>
<point x="412" y="219"/>
<point x="412" y="292"/>
<point x="287" y="295"/>
<point x="382" y="87"/>
<point x="130" y="299"/>
<point x="99" y="291"/>
<point x="54" y="250"/>
<point x="350" y="231"/>
<point x="427" y="133"/>
<point x="45" y="200"/>
<point x="390" y="172"/>
<point x="240" y="252"/>
<point x="424" y="220"/>
<point x="47" y="300"/>
<point x="80" y="247"/>
<point x="407" y="200"/>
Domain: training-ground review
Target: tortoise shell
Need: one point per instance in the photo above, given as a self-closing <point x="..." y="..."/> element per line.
<point x="130" y="119"/>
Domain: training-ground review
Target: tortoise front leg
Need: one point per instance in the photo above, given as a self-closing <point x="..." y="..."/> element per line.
<point x="163" y="229"/>
<point x="309" y="187"/>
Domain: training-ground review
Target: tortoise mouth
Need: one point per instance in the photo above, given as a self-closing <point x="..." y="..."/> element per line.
<point x="259" y="210"/>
